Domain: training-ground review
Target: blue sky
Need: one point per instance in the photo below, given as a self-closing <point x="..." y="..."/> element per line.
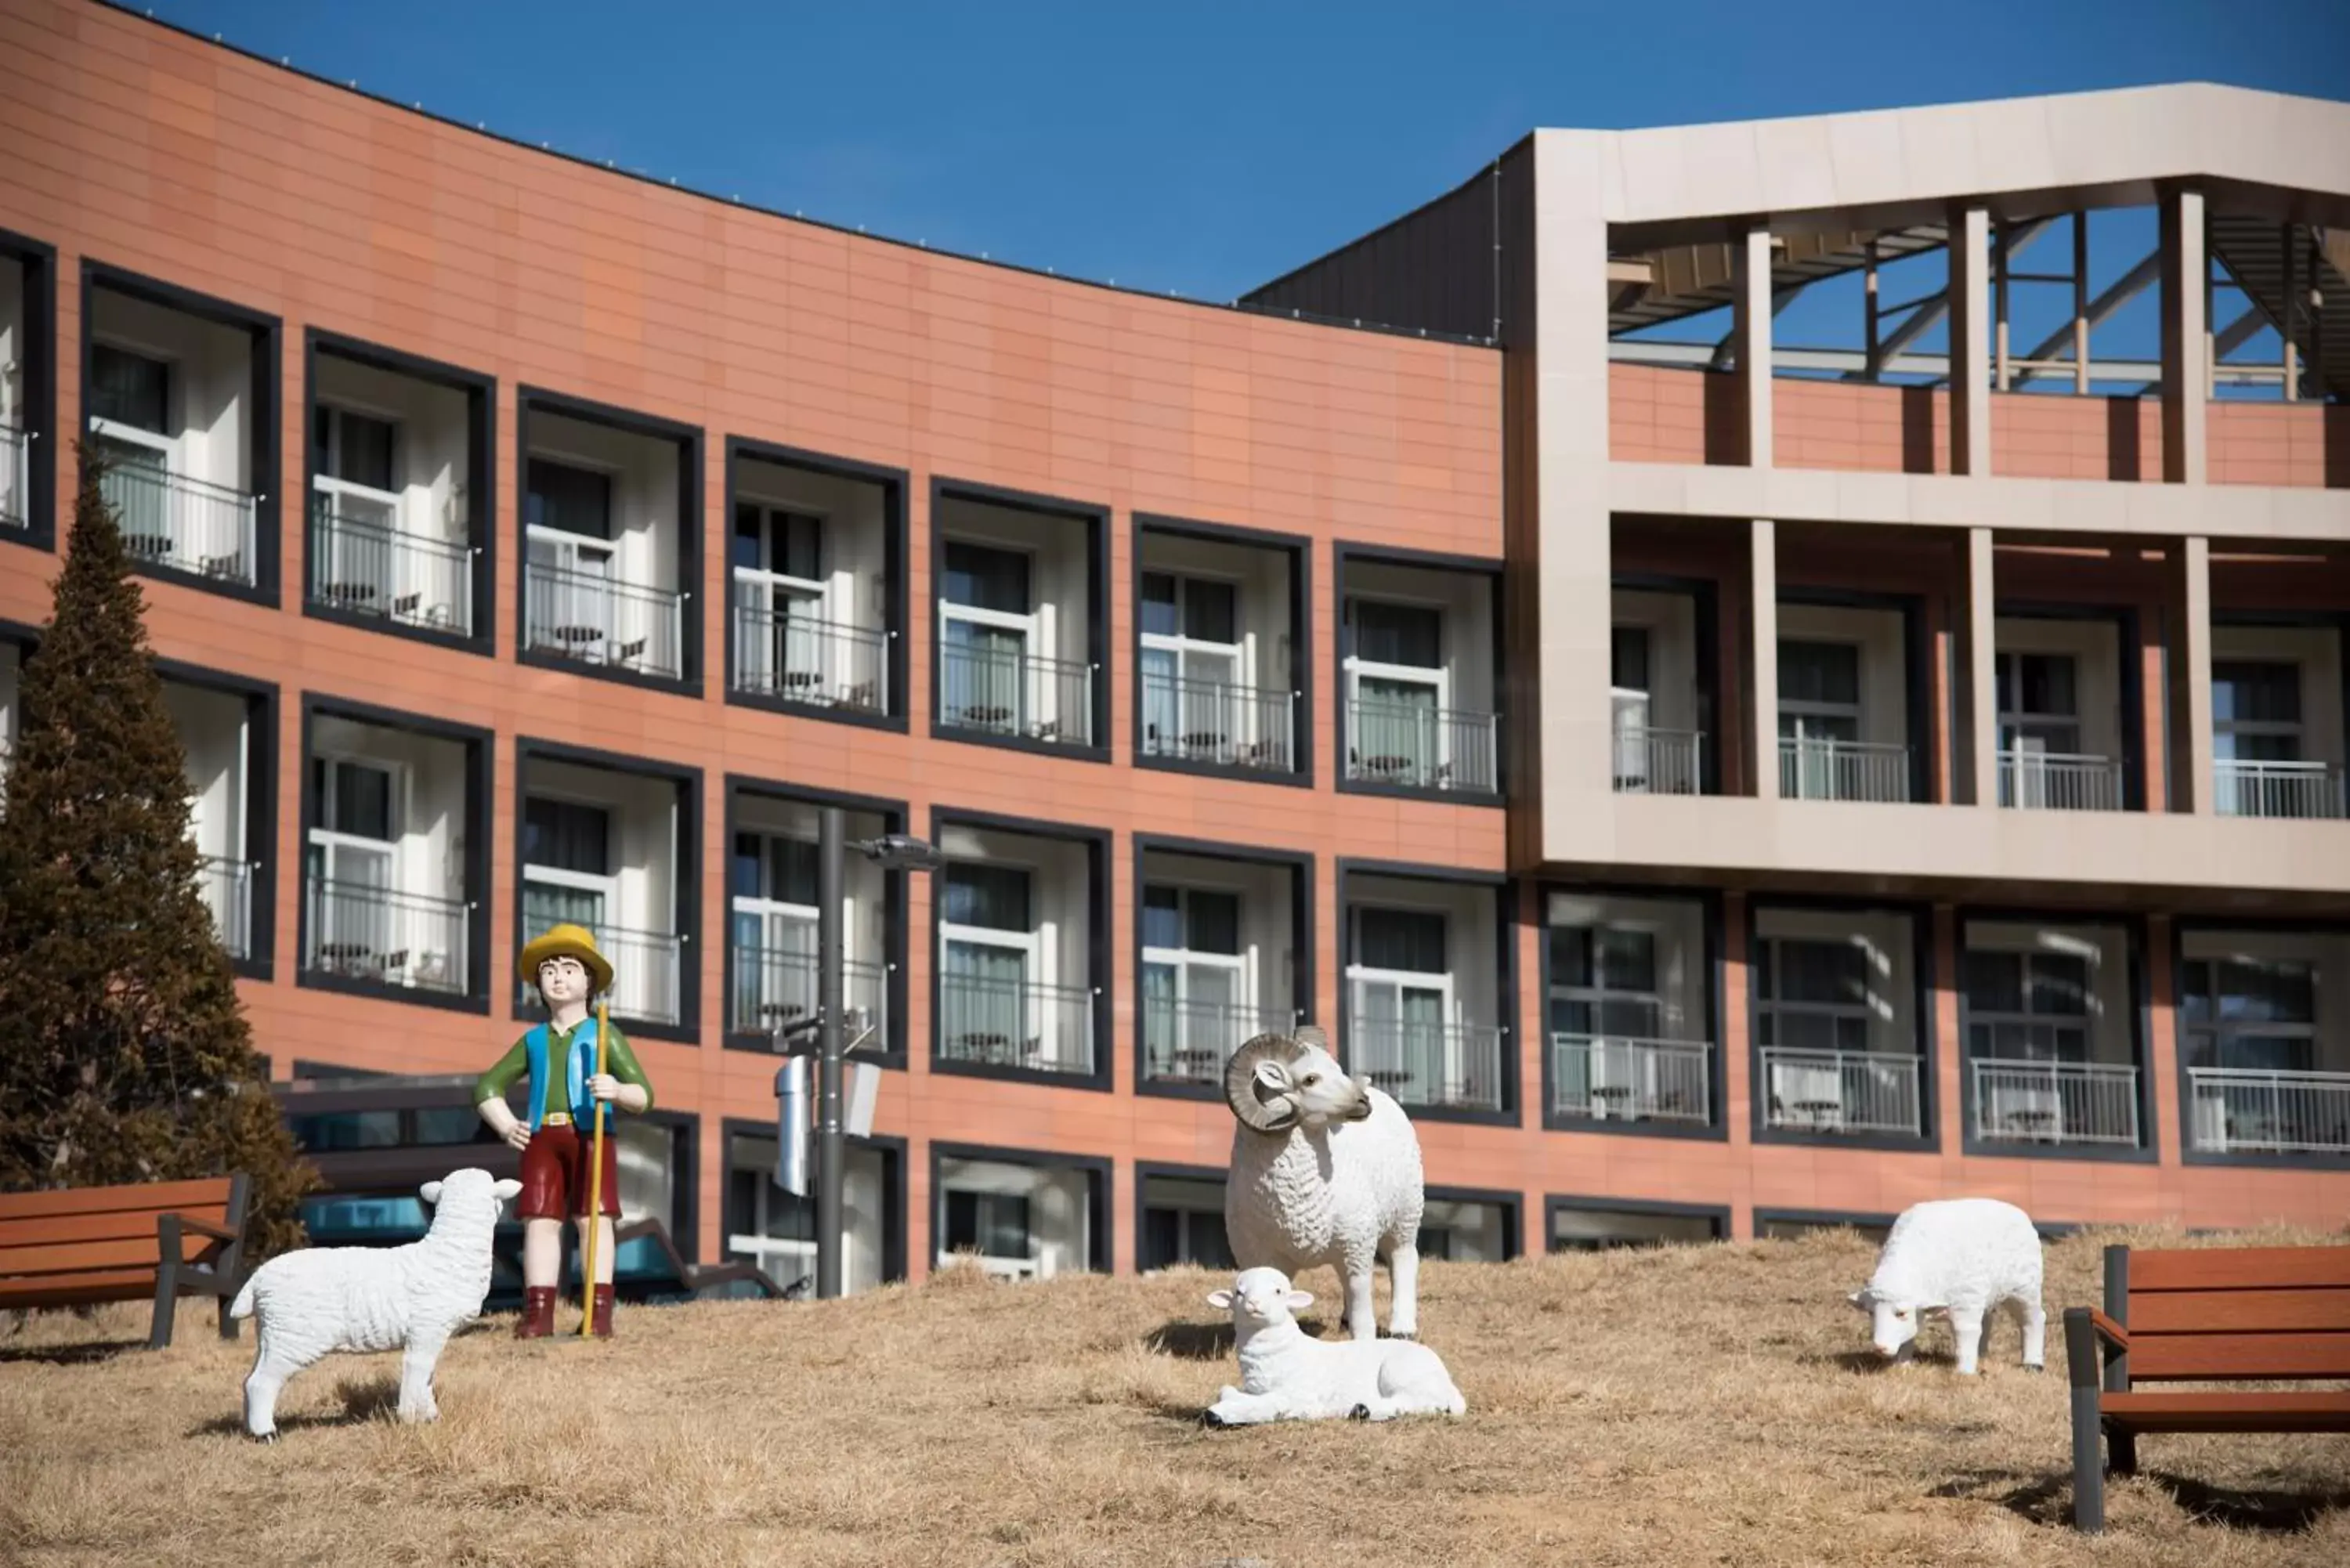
<point x="1211" y="148"/>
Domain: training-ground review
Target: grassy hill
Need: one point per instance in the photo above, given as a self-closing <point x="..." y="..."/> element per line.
<point x="1714" y="1405"/>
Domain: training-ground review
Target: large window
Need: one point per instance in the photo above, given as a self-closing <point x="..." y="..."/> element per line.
<point x="1191" y="659"/>
<point x="1396" y="673"/>
<point x="355" y="448"/>
<point x="1402" y="984"/>
<point x="2256" y="711"/>
<point x="1183" y="1222"/>
<point x="2039" y="704"/>
<point x="993" y="1224"/>
<point x="2028" y="1007"/>
<point x="1819" y="690"/>
<point x="1604" y="983"/>
<point x="1814" y="995"/>
<point x="566" y="865"/>
<point x="1194" y="980"/>
<point x="987" y="624"/>
<point x="989" y="933"/>
<point x="130" y="388"/>
<point x="2248" y="1013"/>
<point x="777" y="558"/>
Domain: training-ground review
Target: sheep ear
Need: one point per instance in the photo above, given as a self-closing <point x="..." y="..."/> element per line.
<point x="1273" y="1075"/>
<point x="506" y="1187"/>
<point x="430" y="1192"/>
<point x="1300" y="1300"/>
<point x="1220" y="1300"/>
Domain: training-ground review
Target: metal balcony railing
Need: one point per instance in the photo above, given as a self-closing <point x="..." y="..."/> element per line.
<point x="1841" y="1091"/>
<point x="227" y="889"/>
<point x="800" y="659"/>
<point x="2242" y="1110"/>
<point x="1446" y="1067"/>
<point x="1660" y="761"/>
<point x="1843" y="770"/>
<point x="361" y="562"/>
<point x="596" y="620"/>
<point x="1616" y="1078"/>
<point x="2056" y="1102"/>
<point x="1003" y="692"/>
<point x="1218" y="723"/>
<point x="776" y="986"/>
<point x="1004" y="1023"/>
<point x="185" y="525"/>
<point x="16" y="477"/>
<point x="2059" y="781"/>
<point x="646" y="968"/>
<point x="368" y="933"/>
<point x="1190" y="1042"/>
<point x="1421" y="748"/>
<point x="2299" y="790"/>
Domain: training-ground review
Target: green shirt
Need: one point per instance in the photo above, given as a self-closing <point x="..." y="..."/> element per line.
<point x="618" y="1061"/>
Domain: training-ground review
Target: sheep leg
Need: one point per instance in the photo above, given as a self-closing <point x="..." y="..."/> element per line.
<point x="2036" y="1334"/>
<point x="1234" y="1408"/>
<point x="1403" y="1279"/>
<point x="416" y="1364"/>
<point x="1361" y="1322"/>
<point x="271" y="1367"/>
<point x="1377" y="1409"/>
<point x="1967" y="1329"/>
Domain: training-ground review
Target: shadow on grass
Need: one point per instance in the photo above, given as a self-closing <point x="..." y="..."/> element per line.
<point x="2047" y="1500"/>
<point x="362" y="1400"/>
<point x="71" y="1354"/>
<point x="1210" y="1341"/>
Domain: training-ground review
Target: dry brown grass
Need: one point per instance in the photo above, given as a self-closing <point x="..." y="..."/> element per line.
<point x="1699" y="1405"/>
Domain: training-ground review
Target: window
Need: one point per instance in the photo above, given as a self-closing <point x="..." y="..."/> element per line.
<point x="1400" y="691"/>
<point x="1195" y="989"/>
<point x="131" y="390"/>
<point x="354" y="448"/>
<point x="567" y="499"/>
<point x="1183" y="1222"/>
<point x="350" y="861"/>
<point x="777" y="560"/>
<point x="1191" y="658"/>
<point x="1579" y="1229"/>
<point x="1819" y="691"/>
<point x="2039" y="703"/>
<point x="1814" y="994"/>
<point x="1604" y="983"/>
<point x="566" y="865"/>
<point x="2257" y="1014"/>
<point x="991" y="955"/>
<point x="772" y="890"/>
<point x="987" y="622"/>
<point x="2027" y="1006"/>
<point x="129" y="408"/>
<point x="1402" y="991"/>
<point x="994" y="1224"/>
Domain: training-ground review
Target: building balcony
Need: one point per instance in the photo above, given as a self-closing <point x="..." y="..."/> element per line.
<point x="1218" y="724"/>
<point x="1421" y="748"/>
<point x="1186" y="1042"/>
<point x="797" y="658"/>
<point x="1443" y="1066"/>
<point x="2055" y="780"/>
<point x="1001" y="691"/>
<point x="775" y="987"/>
<point x="595" y="620"/>
<point x="1841" y="1091"/>
<point x="995" y="1023"/>
<point x="2294" y="790"/>
<point x="1659" y="762"/>
<point x="363" y="563"/>
<point x="182" y="524"/>
<point x="356" y="931"/>
<point x="1824" y="769"/>
<point x="2237" y="1110"/>
<point x="16" y="477"/>
<point x="226" y="887"/>
<point x="2055" y="1103"/>
<point x="1614" y="1078"/>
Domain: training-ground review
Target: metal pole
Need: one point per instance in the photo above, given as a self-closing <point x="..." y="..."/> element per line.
<point x="830" y="1154"/>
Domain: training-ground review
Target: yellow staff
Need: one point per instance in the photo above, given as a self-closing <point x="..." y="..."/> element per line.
<point x="595" y="1182"/>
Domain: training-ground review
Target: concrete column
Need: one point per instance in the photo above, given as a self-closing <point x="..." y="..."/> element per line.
<point x="1750" y="323"/>
<point x="2186" y="342"/>
<point x="1969" y="288"/>
<point x="1762" y="654"/>
<point x="1982" y="707"/>
<point x="2186" y="676"/>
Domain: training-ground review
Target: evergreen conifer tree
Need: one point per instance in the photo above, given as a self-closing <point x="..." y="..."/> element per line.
<point x="125" y="1054"/>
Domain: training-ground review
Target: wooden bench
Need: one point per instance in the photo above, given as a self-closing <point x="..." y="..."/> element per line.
<point x="694" y="1277"/>
<point x="2198" y="1315"/>
<point x="77" y="1246"/>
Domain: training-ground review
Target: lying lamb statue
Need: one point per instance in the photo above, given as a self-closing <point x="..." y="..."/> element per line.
<point x="1324" y="1170"/>
<point x="1285" y="1376"/>
<point x="1960" y="1256"/>
<point x="325" y="1299"/>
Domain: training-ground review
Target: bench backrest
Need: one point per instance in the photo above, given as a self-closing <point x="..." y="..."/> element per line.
<point x="2197" y="1314"/>
<point x="91" y="1229"/>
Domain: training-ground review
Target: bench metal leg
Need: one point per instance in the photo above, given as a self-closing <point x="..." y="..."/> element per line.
<point x="167" y="1282"/>
<point x="2088" y="1463"/>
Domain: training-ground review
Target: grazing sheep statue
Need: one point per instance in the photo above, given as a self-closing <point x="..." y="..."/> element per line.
<point x="325" y="1299"/>
<point x="1285" y="1376"/>
<point x="1324" y="1170"/>
<point x="1964" y="1257"/>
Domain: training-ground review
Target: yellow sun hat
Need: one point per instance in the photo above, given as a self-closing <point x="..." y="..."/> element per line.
<point x="565" y="941"/>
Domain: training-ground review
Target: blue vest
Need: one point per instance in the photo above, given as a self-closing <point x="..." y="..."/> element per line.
<point x="578" y="1071"/>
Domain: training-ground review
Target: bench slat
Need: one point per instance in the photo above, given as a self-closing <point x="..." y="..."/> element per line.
<point x="2282" y="1411"/>
<point x="2179" y="1358"/>
<point x="72" y="1290"/>
<point x="2233" y="1312"/>
<point x="112" y="1226"/>
<point x="2237" y="1269"/>
<point x="76" y="1257"/>
<point x="153" y="1197"/>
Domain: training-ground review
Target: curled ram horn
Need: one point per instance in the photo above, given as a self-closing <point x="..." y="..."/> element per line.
<point x="1258" y="1084"/>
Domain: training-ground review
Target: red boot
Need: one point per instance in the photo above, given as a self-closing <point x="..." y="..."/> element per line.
<point x="602" y="1326"/>
<point x="537" y="1320"/>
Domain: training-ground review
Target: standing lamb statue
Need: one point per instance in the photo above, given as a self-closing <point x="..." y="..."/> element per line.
<point x="325" y="1299"/>
<point x="1960" y="1256"/>
<point x="1285" y="1376"/>
<point x="1324" y="1170"/>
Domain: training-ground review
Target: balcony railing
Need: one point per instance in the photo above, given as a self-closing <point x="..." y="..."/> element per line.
<point x="2059" y="781"/>
<point x="15" y="478"/>
<point x="596" y="620"/>
<point x="1613" y="1078"/>
<point x="1190" y="1042"/>
<point x="1843" y="770"/>
<point x="1000" y="691"/>
<point x="2242" y="1110"/>
<point x="362" y="563"/>
<point x="800" y="659"/>
<point x="1004" y="1023"/>
<point x="1446" y="1067"/>
<point x="391" y="938"/>
<point x="227" y="889"/>
<point x="1841" y="1091"/>
<point x="1421" y="748"/>
<point x="775" y="987"/>
<point x="186" y="524"/>
<point x="1660" y="761"/>
<point x="645" y="972"/>
<point x="2298" y="790"/>
<point x="2056" y="1102"/>
<point x="1219" y="723"/>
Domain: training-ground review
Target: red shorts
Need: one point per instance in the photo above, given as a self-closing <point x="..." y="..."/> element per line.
<point x="554" y="1174"/>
